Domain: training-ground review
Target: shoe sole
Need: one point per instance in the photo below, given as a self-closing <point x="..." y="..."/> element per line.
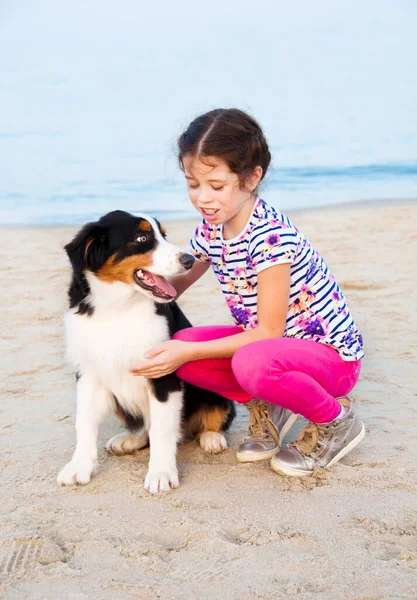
<point x="255" y="456"/>
<point x="300" y="473"/>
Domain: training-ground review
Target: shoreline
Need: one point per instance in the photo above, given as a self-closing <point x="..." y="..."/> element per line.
<point x="348" y="206"/>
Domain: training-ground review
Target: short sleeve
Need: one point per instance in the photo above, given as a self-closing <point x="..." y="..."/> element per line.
<point x="273" y="246"/>
<point x="199" y="244"/>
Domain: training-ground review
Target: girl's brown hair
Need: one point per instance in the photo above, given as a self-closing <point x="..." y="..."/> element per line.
<point x="228" y="134"/>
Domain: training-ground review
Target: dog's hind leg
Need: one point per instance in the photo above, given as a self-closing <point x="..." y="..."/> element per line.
<point x="135" y="438"/>
<point x="127" y="442"/>
<point x="210" y="422"/>
<point x="208" y="415"/>
<point x="93" y="404"/>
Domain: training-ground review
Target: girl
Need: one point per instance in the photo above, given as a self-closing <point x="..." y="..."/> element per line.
<point x="295" y="348"/>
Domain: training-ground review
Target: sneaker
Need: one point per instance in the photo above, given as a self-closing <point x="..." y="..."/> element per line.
<point x="321" y="444"/>
<point x="268" y="424"/>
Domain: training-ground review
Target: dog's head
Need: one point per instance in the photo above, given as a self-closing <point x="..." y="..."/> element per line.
<point x="133" y="250"/>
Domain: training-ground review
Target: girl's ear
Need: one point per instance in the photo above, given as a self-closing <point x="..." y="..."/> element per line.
<point x="255" y="178"/>
<point x="88" y="249"/>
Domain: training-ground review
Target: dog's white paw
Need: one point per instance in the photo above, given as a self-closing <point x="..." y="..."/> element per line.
<point x="213" y="442"/>
<point x="161" y="481"/>
<point x="127" y="442"/>
<point x="77" y="471"/>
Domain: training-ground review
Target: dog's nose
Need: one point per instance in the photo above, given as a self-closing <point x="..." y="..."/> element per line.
<point x="187" y="261"/>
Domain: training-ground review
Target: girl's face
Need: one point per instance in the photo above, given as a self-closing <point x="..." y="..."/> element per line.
<point x="215" y="191"/>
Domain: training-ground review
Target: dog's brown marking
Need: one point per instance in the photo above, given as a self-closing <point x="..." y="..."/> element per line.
<point x="123" y="270"/>
<point x="88" y="244"/>
<point x="163" y="230"/>
<point x="144" y="226"/>
<point x="120" y="414"/>
<point x="208" y="418"/>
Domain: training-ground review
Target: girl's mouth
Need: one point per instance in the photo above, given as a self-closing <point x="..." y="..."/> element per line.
<point x="209" y="212"/>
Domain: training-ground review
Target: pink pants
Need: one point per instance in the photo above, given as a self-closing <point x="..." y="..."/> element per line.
<point x="301" y="375"/>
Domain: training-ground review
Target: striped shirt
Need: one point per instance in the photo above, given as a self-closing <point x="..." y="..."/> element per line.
<point x="317" y="308"/>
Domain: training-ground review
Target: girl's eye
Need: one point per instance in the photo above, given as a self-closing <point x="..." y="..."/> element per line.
<point x="192" y="186"/>
<point x="141" y="238"/>
<point x="218" y="189"/>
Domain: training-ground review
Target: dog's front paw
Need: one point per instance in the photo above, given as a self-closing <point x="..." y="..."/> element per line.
<point x="77" y="471"/>
<point x="161" y="481"/>
<point x="213" y="442"/>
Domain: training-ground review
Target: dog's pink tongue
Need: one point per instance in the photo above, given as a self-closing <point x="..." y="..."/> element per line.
<point x="163" y="285"/>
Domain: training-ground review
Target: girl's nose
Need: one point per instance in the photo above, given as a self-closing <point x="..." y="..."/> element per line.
<point x="204" y="197"/>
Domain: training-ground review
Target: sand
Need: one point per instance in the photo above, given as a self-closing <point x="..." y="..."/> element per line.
<point x="232" y="531"/>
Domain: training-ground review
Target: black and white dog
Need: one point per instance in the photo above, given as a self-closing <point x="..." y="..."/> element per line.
<point x="121" y="305"/>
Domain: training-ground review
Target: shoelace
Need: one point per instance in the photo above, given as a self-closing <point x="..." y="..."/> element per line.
<point x="260" y="424"/>
<point x="309" y="438"/>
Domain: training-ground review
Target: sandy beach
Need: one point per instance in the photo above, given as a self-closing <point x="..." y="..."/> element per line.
<point x="231" y="531"/>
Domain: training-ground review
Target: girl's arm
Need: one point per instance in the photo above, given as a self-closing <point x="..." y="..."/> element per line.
<point x="273" y="296"/>
<point x="186" y="280"/>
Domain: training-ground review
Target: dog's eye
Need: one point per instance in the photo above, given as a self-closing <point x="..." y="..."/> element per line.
<point x="141" y="238"/>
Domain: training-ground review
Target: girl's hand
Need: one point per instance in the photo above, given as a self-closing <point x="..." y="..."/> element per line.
<point x="164" y="359"/>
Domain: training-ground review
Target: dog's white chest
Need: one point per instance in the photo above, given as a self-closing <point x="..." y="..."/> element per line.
<point x="109" y="343"/>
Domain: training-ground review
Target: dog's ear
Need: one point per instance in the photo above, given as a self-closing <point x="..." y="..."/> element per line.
<point x="161" y="229"/>
<point x="88" y="250"/>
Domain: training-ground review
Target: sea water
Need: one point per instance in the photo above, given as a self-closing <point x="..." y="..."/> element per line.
<point x="94" y="94"/>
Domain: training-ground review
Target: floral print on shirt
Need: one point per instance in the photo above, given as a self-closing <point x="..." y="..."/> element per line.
<point x="317" y="308"/>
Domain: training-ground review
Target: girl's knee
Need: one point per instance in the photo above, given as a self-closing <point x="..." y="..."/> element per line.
<point x="186" y="335"/>
<point x="246" y="369"/>
<point x="251" y="365"/>
<point x="186" y="372"/>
